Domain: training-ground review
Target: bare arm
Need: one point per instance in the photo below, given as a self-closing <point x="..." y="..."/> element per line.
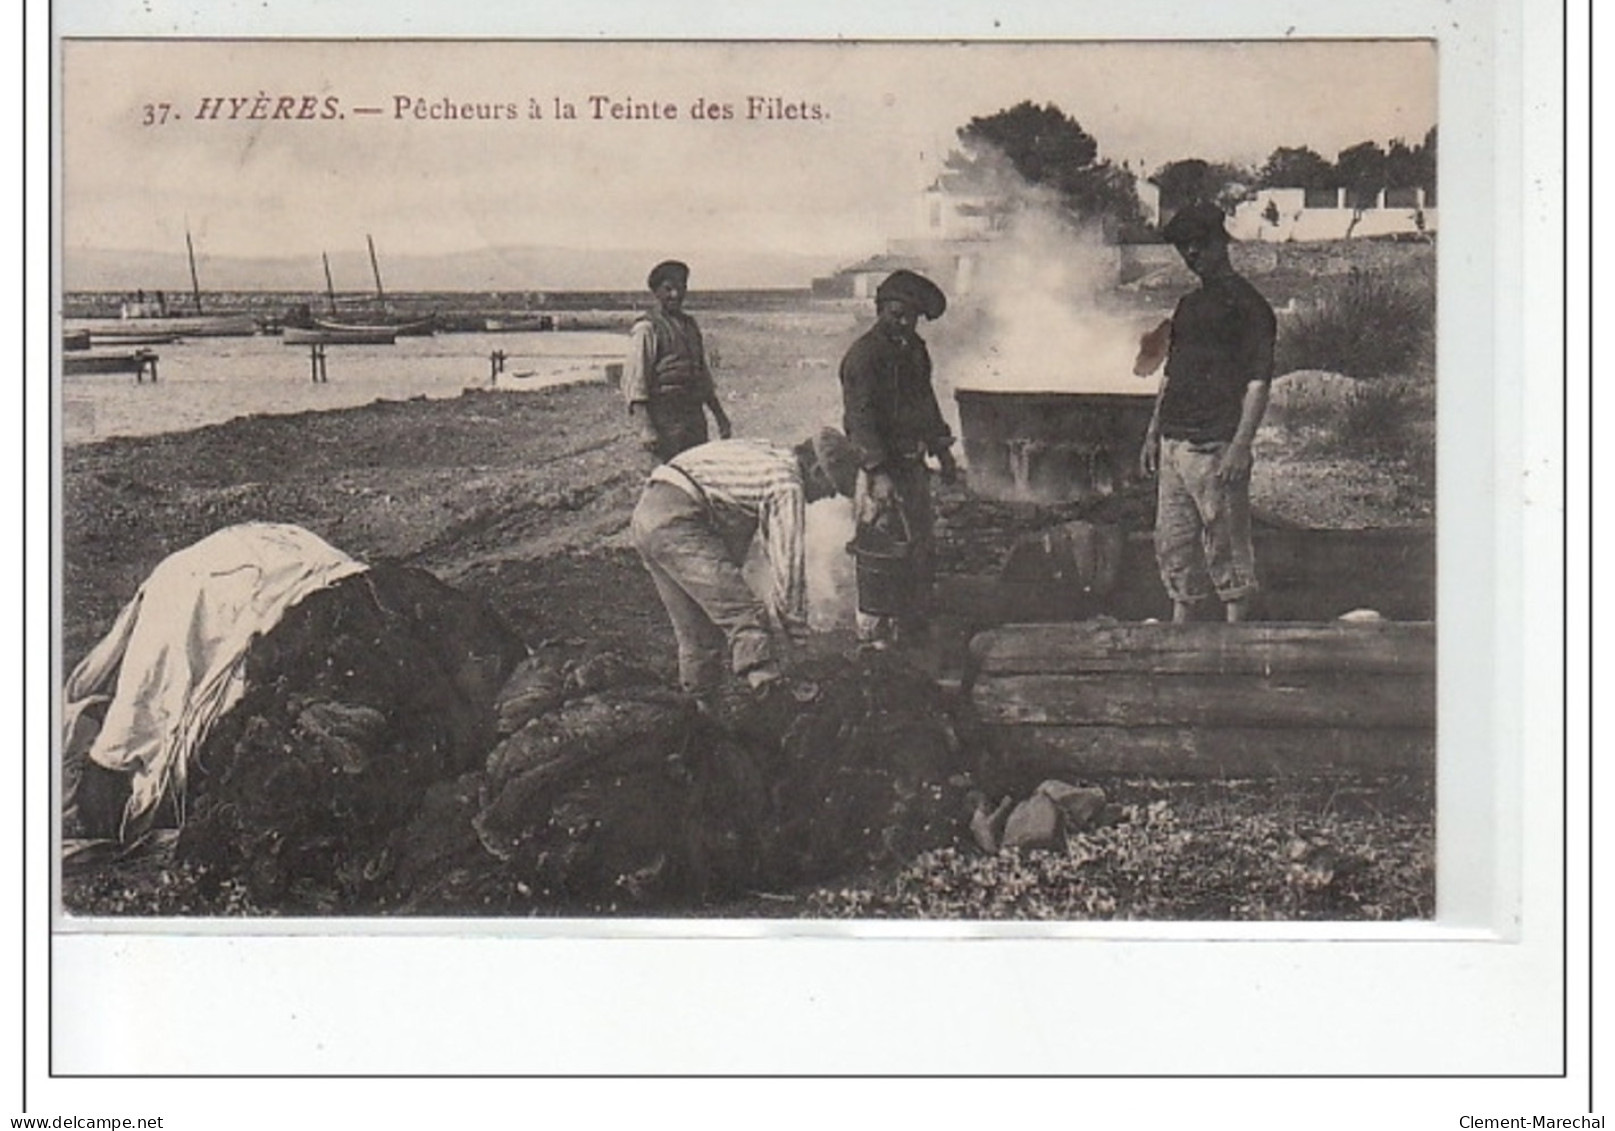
<point x="721" y="418"/>
<point x="1235" y="466"/>
<point x="1149" y="459"/>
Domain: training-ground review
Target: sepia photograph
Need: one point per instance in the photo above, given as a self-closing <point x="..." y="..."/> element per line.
<point x="821" y="480"/>
<point x="927" y="562"/>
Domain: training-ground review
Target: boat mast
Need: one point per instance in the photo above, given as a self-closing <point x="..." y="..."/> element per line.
<point x="196" y="287"/>
<point x="381" y="296"/>
<point x="330" y="291"/>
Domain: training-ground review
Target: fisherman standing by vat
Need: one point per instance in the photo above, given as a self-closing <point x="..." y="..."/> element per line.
<point x="665" y="379"/>
<point x="1219" y="365"/>
<point x="891" y="415"/>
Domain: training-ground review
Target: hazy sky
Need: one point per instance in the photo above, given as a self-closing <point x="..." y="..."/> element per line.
<point x="856" y="130"/>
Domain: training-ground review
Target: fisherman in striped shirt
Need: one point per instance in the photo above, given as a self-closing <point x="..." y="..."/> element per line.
<point x="694" y="526"/>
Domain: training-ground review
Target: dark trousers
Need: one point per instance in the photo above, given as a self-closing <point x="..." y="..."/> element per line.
<point x="912" y="480"/>
<point x="680" y="422"/>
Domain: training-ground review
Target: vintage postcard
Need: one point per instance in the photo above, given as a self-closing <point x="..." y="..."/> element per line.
<point x="608" y="488"/>
<point x="400" y="579"/>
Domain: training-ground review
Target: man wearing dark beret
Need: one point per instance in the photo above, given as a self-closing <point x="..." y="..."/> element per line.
<point x="1219" y="364"/>
<point x="891" y="415"/>
<point x="665" y="378"/>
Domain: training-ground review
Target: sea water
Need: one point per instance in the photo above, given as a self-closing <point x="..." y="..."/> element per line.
<point x="205" y="381"/>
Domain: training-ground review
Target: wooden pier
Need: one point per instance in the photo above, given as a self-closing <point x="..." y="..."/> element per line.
<point x="142" y="363"/>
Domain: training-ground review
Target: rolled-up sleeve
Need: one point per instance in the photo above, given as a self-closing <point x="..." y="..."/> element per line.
<point x="639" y="364"/>
<point x="782" y="521"/>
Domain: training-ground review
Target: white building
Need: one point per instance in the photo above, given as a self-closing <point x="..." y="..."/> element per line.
<point x="1279" y="215"/>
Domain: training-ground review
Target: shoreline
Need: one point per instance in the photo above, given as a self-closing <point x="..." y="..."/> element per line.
<point x="460" y="484"/>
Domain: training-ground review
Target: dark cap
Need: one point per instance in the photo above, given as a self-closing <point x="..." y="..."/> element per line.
<point x="837" y="458"/>
<point x="666" y="270"/>
<point x="1199" y="222"/>
<point x="914" y="289"/>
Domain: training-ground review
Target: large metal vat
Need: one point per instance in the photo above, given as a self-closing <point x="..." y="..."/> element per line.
<point x="1051" y="447"/>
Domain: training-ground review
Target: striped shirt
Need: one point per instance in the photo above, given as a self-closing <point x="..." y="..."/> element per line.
<point x="751" y="487"/>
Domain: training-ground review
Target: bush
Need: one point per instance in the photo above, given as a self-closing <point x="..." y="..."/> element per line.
<point x="1380" y="418"/>
<point x="1367" y="326"/>
<point x="1390" y="422"/>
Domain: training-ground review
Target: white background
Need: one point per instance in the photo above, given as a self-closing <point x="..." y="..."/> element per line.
<point x="1480" y="1003"/>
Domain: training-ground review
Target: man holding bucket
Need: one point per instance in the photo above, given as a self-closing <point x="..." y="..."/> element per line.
<point x="891" y="416"/>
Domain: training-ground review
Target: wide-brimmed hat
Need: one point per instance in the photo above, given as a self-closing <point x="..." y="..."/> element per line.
<point x="837" y="457"/>
<point x="1199" y="222"/>
<point x="668" y="269"/>
<point x="914" y="289"/>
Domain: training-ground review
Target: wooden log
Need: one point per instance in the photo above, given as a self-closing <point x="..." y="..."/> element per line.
<point x="1034" y="753"/>
<point x="1208" y="699"/>
<point x="1268" y="649"/>
<point x="1146" y="699"/>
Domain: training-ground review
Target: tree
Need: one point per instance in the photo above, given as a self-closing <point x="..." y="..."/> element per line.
<point x="1362" y="172"/>
<point x="1401" y="165"/>
<point x="1297" y="167"/>
<point x="1425" y="166"/>
<point x="1184" y="182"/>
<point x="1016" y="157"/>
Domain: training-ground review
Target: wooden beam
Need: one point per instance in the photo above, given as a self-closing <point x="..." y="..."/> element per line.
<point x="1037" y="752"/>
<point x="1144" y="699"/>
<point x="1267" y="649"/>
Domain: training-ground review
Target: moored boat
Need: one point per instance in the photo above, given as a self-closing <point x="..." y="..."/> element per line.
<point x="129" y="331"/>
<point x="529" y="325"/>
<point x="98" y="338"/>
<point x="336" y="323"/>
<point x="419" y="327"/>
<point x="148" y="318"/>
<point x="338" y="336"/>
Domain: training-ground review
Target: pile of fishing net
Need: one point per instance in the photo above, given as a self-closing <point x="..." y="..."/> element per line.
<point x="398" y="751"/>
<point x="363" y="696"/>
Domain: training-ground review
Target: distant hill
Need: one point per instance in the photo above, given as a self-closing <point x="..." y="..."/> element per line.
<point x="488" y="269"/>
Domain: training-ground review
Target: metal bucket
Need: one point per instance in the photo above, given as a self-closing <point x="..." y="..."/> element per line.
<point x="883" y="568"/>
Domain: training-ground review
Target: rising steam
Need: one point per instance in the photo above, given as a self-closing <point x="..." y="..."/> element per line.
<point x="1032" y="319"/>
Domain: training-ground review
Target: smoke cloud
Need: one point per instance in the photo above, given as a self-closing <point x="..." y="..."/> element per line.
<point x="1033" y="317"/>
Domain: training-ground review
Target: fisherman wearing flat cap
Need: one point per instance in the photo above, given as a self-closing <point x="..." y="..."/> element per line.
<point x="1219" y="365"/>
<point x="694" y="526"/>
<point x="665" y="378"/>
<point x="891" y="416"/>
